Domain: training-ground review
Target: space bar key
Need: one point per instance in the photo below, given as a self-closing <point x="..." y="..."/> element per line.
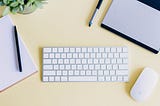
<point x="80" y="78"/>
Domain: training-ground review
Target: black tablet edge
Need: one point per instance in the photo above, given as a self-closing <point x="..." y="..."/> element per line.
<point x="129" y="38"/>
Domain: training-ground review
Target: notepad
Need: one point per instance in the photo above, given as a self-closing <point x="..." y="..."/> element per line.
<point x="9" y="72"/>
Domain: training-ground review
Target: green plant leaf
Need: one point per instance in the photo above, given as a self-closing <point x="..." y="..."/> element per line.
<point x="14" y="4"/>
<point x="1" y="3"/>
<point x="6" y="11"/>
<point x="15" y="10"/>
<point x="38" y="4"/>
<point x="21" y="8"/>
<point x="21" y="2"/>
<point x="5" y="2"/>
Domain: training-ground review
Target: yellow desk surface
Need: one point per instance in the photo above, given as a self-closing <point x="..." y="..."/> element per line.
<point x="65" y="23"/>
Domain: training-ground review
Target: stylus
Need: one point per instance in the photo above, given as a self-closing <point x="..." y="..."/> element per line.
<point x="95" y="12"/>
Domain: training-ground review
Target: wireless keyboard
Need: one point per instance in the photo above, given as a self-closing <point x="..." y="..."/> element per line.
<point x="85" y="64"/>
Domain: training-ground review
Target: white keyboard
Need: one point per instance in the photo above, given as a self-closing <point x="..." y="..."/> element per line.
<point x="85" y="64"/>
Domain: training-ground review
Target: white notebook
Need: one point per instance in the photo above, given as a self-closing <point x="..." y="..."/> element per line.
<point x="9" y="72"/>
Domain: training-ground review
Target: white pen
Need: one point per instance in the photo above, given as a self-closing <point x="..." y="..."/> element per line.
<point x="95" y="12"/>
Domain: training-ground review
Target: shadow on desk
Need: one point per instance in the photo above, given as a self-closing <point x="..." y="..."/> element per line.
<point x="1" y="11"/>
<point x="40" y="62"/>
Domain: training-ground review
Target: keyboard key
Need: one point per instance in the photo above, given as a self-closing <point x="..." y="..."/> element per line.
<point x="108" y="78"/>
<point x="46" y="61"/>
<point x="51" y="55"/>
<point x="70" y="72"/>
<point x="100" y="73"/>
<point x="97" y="67"/>
<point x="114" y="78"/>
<point x="94" y="72"/>
<point x="125" y="49"/>
<point x="120" y="78"/>
<point x="47" y="50"/>
<point x="123" y="55"/>
<point x="63" y="55"/>
<point x="101" y="61"/>
<point x="76" y="73"/>
<point x="110" y="55"/>
<point x="116" y="55"/>
<point x="78" y="50"/>
<point x="85" y="67"/>
<point x="72" y="61"/>
<point x="90" y="61"/>
<point x="107" y="49"/>
<point x="60" y="61"/>
<point x="104" y="55"/>
<point x="75" y="55"/>
<point x="113" y="61"/>
<point x="45" y="79"/>
<point x="119" y="49"/>
<point x="101" y="50"/>
<point x="72" y="50"/>
<point x="55" y="67"/>
<point x="47" y="67"/>
<point x="66" y="61"/>
<point x="64" y="78"/>
<point x="90" y="50"/>
<point x="66" y="50"/>
<point x="54" y="61"/>
<point x="51" y="79"/>
<point x="73" y="67"/>
<point x="119" y="61"/>
<point x="68" y="67"/>
<point x="125" y="78"/>
<point x="57" y="55"/>
<point x="122" y="72"/>
<point x="82" y="72"/>
<point x="112" y="72"/>
<point x="64" y="73"/>
<point x="87" y="55"/>
<point x="45" y="55"/>
<point x="93" y="55"/>
<point x="88" y="72"/>
<point x="54" y="50"/>
<point x="95" y="50"/>
<point x="84" y="78"/>
<point x="125" y="61"/>
<point x="113" y="49"/>
<point x="106" y="72"/>
<point x="101" y="78"/>
<point x="91" y="67"/>
<point x="109" y="67"/>
<point x="103" y="67"/>
<point x="107" y="61"/>
<point x="60" y="50"/>
<point x="57" y="79"/>
<point x="59" y="72"/>
<point x="69" y="55"/>
<point x="84" y="50"/>
<point x="123" y="66"/>
<point x="81" y="55"/>
<point x="98" y="55"/>
<point x="61" y="67"/>
<point x="115" y="66"/>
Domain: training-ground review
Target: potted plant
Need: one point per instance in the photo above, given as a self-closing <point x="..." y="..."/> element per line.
<point x="21" y="6"/>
